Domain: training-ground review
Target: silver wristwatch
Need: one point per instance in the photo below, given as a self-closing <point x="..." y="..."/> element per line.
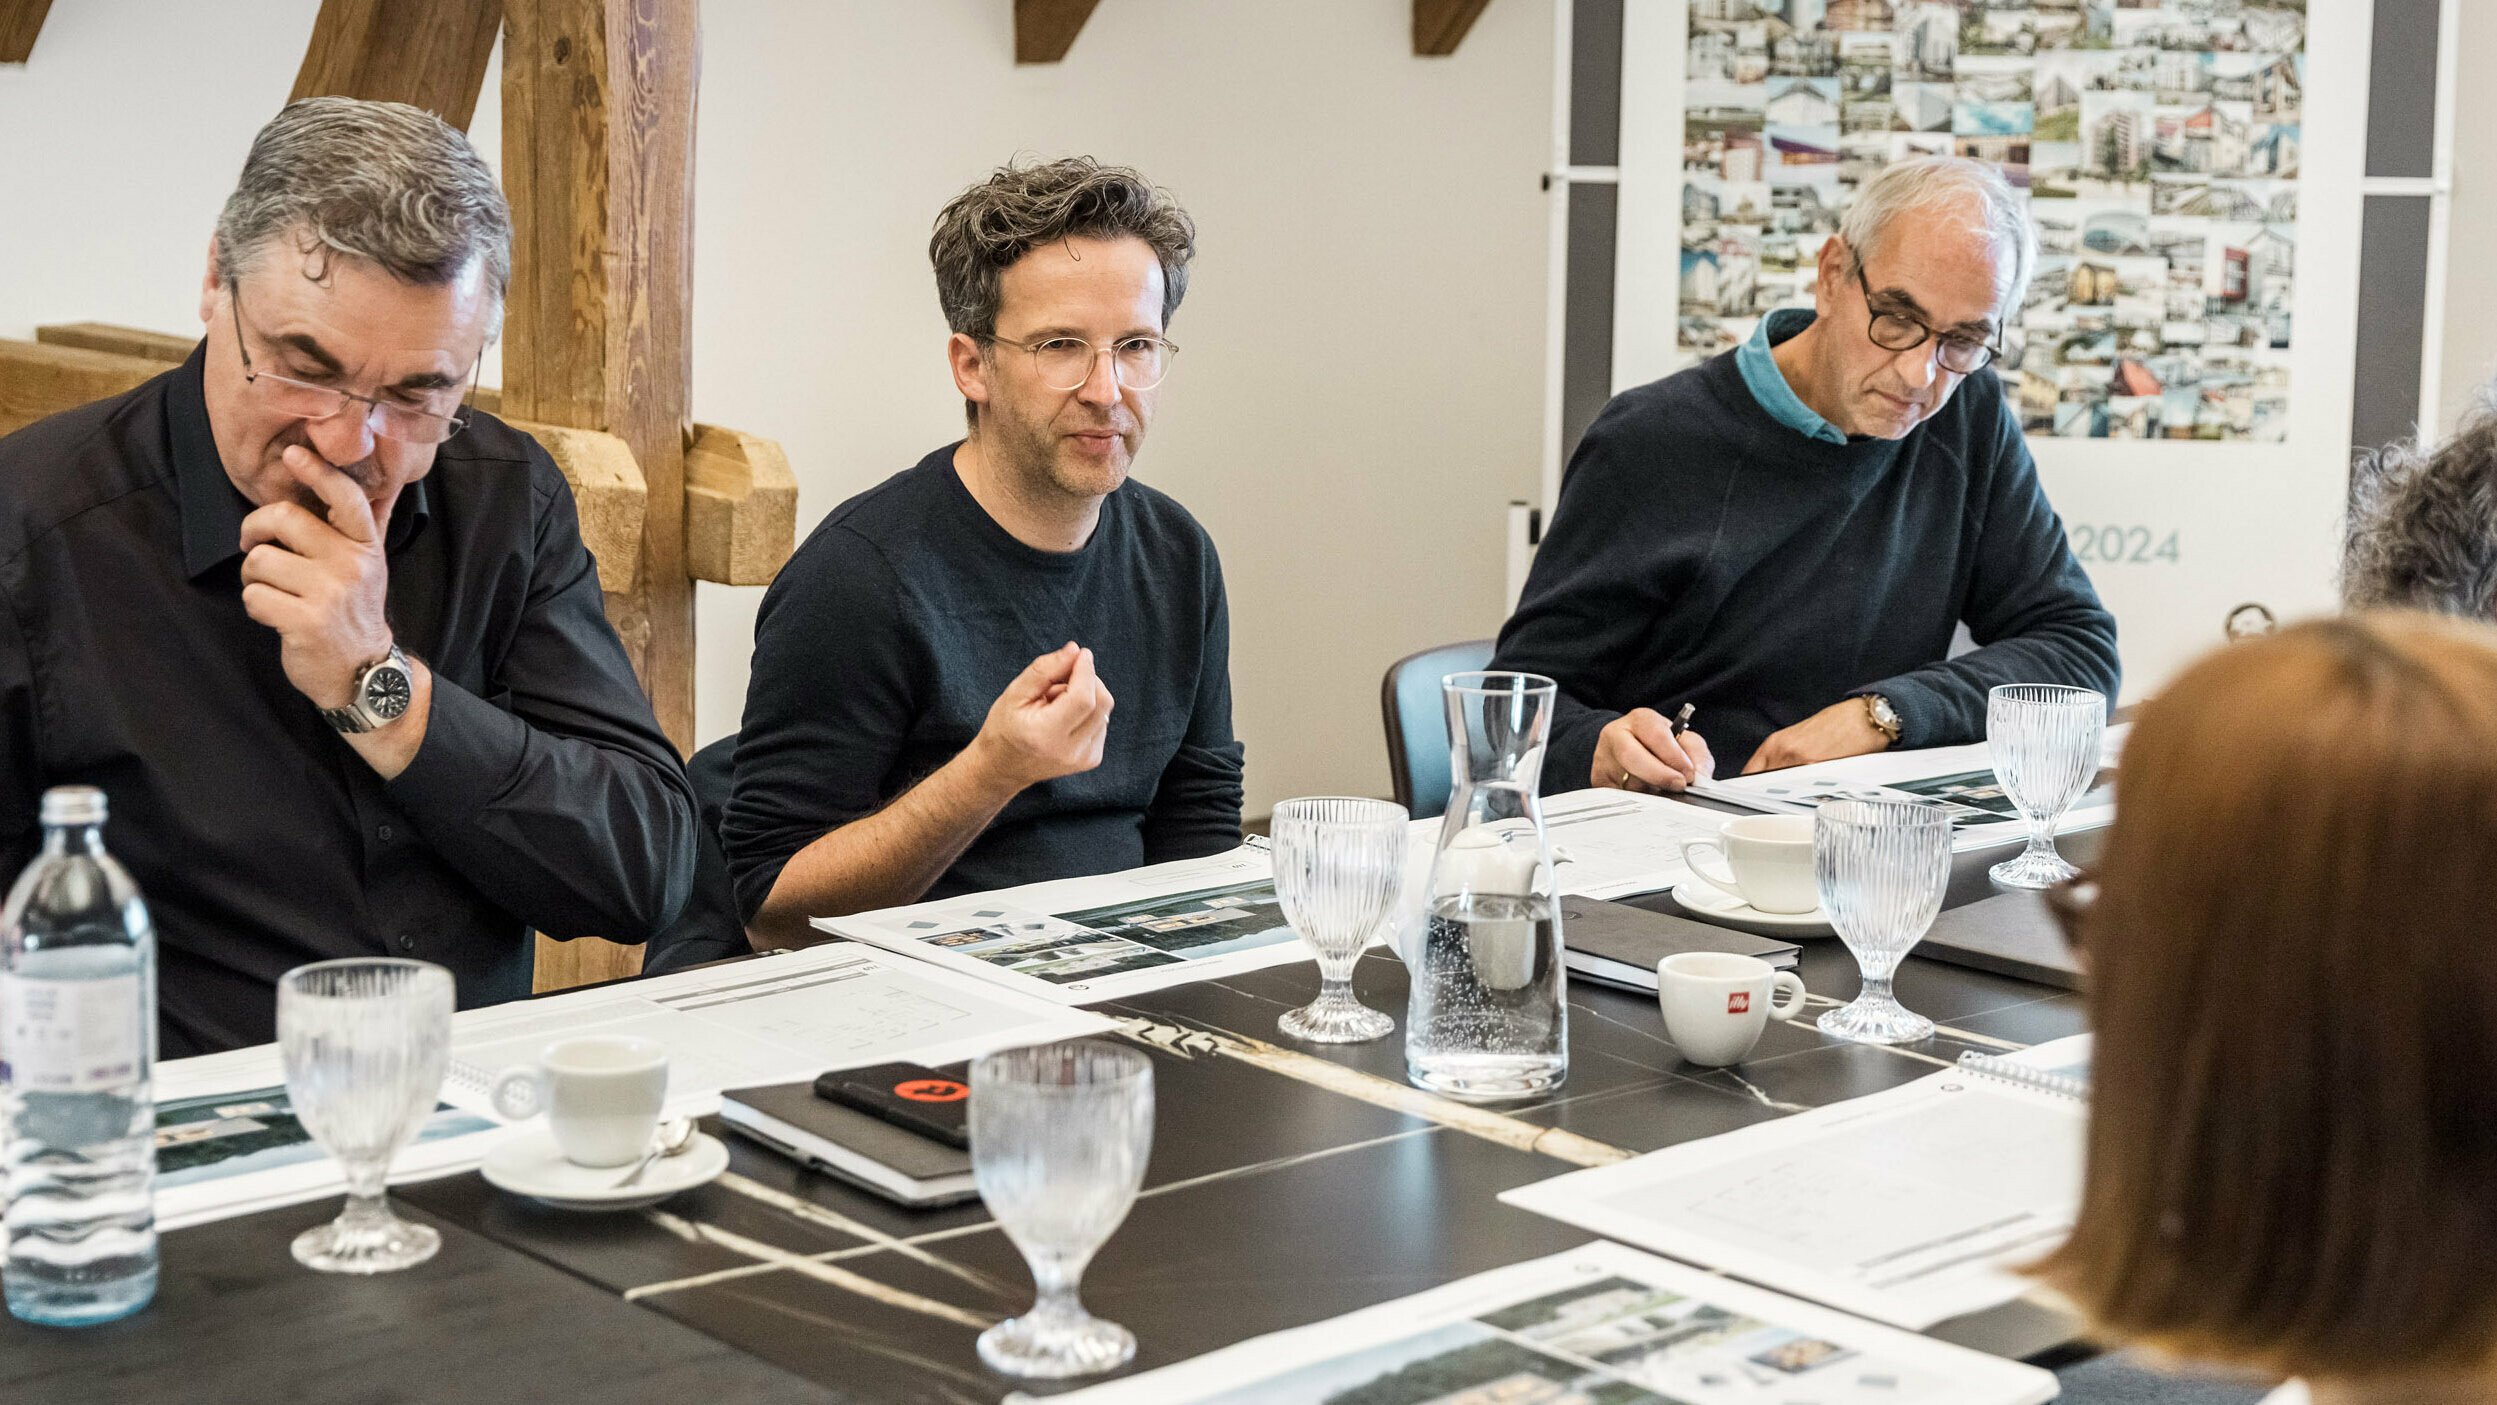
<point x="1884" y="717"/>
<point x="383" y="690"/>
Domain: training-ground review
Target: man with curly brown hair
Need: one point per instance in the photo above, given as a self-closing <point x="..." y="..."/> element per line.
<point x="934" y="671"/>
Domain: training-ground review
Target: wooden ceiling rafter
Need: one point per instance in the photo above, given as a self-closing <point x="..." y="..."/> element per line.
<point x="20" y="22"/>
<point x="1439" y="26"/>
<point x="1045" y="29"/>
<point x="426" y="53"/>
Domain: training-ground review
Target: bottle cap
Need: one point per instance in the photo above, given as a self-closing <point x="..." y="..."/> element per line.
<point x="73" y="804"/>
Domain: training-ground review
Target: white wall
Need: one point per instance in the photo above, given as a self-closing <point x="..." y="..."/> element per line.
<point x="1361" y="389"/>
<point x="2470" y="360"/>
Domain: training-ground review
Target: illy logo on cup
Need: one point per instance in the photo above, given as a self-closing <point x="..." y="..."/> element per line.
<point x="1738" y="1003"/>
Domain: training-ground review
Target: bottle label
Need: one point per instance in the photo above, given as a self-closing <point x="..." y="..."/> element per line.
<point x="69" y="1036"/>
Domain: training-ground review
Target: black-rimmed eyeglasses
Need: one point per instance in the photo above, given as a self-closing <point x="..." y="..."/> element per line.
<point x="1898" y="331"/>
<point x="408" y="424"/>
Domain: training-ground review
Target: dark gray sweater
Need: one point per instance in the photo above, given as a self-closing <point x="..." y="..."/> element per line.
<point x="1703" y="552"/>
<point x="884" y="640"/>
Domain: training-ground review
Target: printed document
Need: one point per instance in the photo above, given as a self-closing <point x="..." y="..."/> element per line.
<point x="1909" y="1206"/>
<point x="229" y="1142"/>
<point x="1073" y="941"/>
<point x="1602" y="1323"/>
<point x="1959" y="778"/>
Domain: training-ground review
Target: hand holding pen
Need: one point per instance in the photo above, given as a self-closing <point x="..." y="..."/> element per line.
<point x="1641" y="750"/>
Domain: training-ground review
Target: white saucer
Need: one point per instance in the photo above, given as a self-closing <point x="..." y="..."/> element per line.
<point x="527" y="1163"/>
<point x="1711" y="904"/>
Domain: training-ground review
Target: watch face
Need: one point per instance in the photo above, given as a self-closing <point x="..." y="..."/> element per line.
<point x="386" y="692"/>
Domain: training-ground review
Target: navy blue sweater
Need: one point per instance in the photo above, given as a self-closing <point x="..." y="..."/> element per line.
<point x="1702" y="552"/>
<point x="882" y="643"/>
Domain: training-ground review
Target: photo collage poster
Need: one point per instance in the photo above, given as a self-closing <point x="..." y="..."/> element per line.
<point x="2156" y="142"/>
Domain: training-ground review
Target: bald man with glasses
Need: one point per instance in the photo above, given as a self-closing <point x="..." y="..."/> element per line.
<point x="330" y="643"/>
<point x="1786" y="538"/>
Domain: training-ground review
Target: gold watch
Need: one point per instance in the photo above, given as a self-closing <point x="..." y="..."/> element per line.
<point x="1884" y="717"/>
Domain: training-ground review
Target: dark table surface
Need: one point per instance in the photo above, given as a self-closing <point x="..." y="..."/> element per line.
<point x="1274" y="1199"/>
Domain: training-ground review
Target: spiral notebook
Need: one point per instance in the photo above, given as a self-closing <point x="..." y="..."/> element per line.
<point x="2060" y="1067"/>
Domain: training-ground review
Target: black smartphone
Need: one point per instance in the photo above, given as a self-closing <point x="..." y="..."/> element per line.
<point x="924" y="1100"/>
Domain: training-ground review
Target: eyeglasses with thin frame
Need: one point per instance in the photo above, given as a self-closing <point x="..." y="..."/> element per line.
<point x="405" y="423"/>
<point x="1897" y="331"/>
<point x="1065" y="363"/>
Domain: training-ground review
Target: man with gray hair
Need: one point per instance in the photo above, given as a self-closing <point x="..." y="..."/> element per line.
<point x="2423" y="525"/>
<point x="329" y="642"/>
<point x="901" y="740"/>
<point x="1786" y="537"/>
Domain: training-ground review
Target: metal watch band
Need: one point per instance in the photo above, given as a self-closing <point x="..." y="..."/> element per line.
<point x="355" y="718"/>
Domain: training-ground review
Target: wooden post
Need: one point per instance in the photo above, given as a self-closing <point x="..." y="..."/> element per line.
<point x="1439" y="26"/>
<point x="426" y="53"/>
<point x="20" y="22"/>
<point x="598" y="126"/>
<point x="1045" y="29"/>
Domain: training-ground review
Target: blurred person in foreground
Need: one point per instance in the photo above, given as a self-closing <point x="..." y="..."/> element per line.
<point x="1788" y="536"/>
<point x="2292" y="1160"/>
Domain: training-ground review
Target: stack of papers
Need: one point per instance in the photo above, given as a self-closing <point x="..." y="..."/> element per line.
<point x="1601" y="1323"/>
<point x="1959" y="778"/>
<point x="1910" y="1206"/>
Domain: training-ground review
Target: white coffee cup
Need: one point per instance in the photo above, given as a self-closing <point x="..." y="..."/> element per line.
<point x="601" y="1096"/>
<point x="1767" y="862"/>
<point x="1716" y="1003"/>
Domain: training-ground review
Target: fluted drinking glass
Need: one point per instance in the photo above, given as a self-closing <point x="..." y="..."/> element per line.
<point x="1339" y="866"/>
<point x="365" y="1044"/>
<point x="1882" y="866"/>
<point x="1059" y="1138"/>
<point x="2045" y="744"/>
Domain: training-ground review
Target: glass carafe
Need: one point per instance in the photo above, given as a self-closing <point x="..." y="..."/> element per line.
<point x="1487" y="1019"/>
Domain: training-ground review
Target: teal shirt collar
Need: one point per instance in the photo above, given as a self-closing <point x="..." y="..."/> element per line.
<point x="1768" y="384"/>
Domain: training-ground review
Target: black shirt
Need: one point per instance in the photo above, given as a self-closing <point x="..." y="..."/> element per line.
<point x="887" y="636"/>
<point x="544" y="794"/>
<point x="1703" y="552"/>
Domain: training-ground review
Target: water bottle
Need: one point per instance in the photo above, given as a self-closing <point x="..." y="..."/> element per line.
<point x="77" y="1056"/>
<point x="1487" y="1018"/>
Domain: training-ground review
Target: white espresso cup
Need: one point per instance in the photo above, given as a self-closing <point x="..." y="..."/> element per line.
<point x="600" y="1094"/>
<point x="1766" y="860"/>
<point x="1716" y="1003"/>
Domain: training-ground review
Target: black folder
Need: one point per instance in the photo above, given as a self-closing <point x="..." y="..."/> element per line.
<point x="1619" y="945"/>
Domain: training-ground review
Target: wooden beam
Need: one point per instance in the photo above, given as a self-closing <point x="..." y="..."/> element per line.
<point x="167" y="347"/>
<point x="38" y="380"/>
<point x="598" y="153"/>
<point x="741" y="506"/>
<point x="1439" y="26"/>
<point x="121" y="341"/>
<point x="20" y="22"/>
<point x="1045" y="29"/>
<point x="607" y="490"/>
<point x="47" y="377"/>
<point x="428" y="53"/>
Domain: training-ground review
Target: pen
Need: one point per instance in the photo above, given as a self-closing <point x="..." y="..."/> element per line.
<point x="1682" y="719"/>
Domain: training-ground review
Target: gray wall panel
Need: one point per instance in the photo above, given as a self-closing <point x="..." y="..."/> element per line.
<point x="1587" y="346"/>
<point x="2392" y="302"/>
<point x="1595" y="83"/>
<point x="2401" y="89"/>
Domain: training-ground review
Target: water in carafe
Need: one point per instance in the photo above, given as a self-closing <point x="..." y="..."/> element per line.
<point x="1487" y="1018"/>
